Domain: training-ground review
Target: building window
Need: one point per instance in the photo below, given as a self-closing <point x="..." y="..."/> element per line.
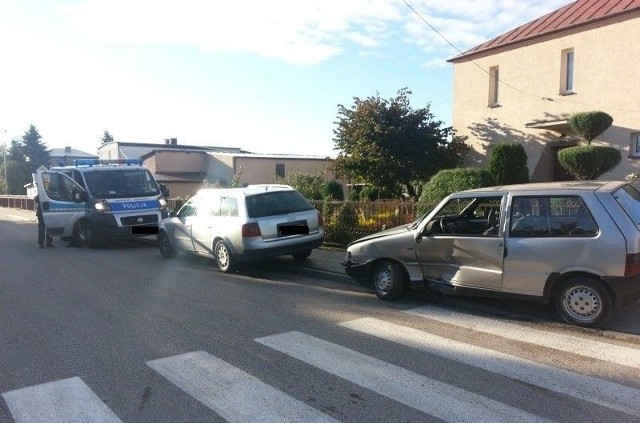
<point x="494" y="79"/>
<point x="634" y="145"/>
<point x="566" y="77"/>
<point x="280" y="170"/>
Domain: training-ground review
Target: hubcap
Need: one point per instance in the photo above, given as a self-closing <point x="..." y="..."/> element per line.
<point x="223" y="256"/>
<point x="383" y="281"/>
<point x="582" y="303"/>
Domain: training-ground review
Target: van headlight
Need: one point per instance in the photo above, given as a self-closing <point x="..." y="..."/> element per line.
<point x="101" y="206"/>
<point x="163" y="203"/>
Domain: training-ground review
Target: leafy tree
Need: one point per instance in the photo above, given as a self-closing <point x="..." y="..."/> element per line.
<point x="589" y="125"/>
<point x="508" y="164"/>
<point x="16" y="152"/>
<point x="25" y="156"/>
<point x="332" y="190"/>
<point x="106" y="137"/>
<point x="587" y="162"/>
<point x="389" y="145"/>
<point x="449" y="181"/>
<point x="309" y="185"/>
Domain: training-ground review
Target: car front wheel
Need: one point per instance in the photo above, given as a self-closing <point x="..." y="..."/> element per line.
<point x="166" y="249"/>
<point x="583" y="301"/>
<point x="387" y="280"/>
<point x="223" y="257"/>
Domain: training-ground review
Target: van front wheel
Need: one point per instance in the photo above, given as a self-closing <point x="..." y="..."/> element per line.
<point x="583" y="301"/>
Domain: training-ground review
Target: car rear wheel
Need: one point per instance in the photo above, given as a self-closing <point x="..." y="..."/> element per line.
<point x="166" y="249"/>
<point x="301" y="255"/>
<point x="223" y="257"/>
<point x="387" y="280"/>
<point x="583" y="301"/>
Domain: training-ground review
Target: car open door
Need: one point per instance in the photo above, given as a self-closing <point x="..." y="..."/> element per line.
<point x="62" y="201"/>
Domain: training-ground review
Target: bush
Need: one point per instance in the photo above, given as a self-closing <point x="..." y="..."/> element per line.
<point x="371" y="193"/>
<point x="449" y="181"/>
<point x="333" y="191"/>
<point x="589" y="125"/>
<point x="508" y="164"/>
<point x="589" y="161"/>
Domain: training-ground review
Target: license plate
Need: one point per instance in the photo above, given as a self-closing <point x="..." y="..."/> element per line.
<point x="293" y="228"/>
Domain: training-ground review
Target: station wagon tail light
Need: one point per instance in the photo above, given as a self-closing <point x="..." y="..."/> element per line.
<point x="320" y="219"/>
<point x="632" y="267"/>
<point x="250" y="230"/>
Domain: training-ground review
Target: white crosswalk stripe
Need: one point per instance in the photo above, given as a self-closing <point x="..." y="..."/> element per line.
<point x="446" y="402"/>
<point x="232" y="393"/>
<point x="62" y="401"/>
<point x="572" y="344"/>
<point x="597" y="391"/>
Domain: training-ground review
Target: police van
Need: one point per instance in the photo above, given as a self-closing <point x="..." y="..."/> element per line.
<point x="95" y="201"/>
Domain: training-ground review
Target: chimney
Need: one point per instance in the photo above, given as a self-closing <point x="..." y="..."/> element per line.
<point x="171" y="141"/>
<point x="67" y="150"/>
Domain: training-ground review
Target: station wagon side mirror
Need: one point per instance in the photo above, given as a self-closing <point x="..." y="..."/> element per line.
<point x="172" y="213"/>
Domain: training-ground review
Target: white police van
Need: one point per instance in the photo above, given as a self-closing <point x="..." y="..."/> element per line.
<point x="100" y="200"/>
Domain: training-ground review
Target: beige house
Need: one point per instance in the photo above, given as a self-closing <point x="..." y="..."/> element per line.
<point x="523" y="85"/>
<point x="185" y="169"/>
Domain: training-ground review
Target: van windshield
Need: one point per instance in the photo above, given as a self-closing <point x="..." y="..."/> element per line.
<point x="275" y="203"/>
<point x="121" y="183"/>
<point x="629" y="199"/>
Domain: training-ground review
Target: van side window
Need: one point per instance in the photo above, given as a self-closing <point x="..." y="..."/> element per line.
<point x="551" y="216"/>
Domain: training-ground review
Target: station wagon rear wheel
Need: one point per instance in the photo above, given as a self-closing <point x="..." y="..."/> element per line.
<point x="387" y="280"/>
<point x="223" y="257"/>
<point x="583" y="301"/>
<point x="301" y="255"/>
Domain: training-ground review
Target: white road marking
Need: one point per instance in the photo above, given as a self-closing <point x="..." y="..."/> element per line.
<point x="62" y="401"/>
<point x="232" y="393"/>
<point x="433" y="397"/>
<point x="588" y="388"/>
<point x="616" y="354"/>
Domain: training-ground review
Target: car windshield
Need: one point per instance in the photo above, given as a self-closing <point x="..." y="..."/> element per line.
<point x="275" y="203"/>
<point x="119" y="183"/>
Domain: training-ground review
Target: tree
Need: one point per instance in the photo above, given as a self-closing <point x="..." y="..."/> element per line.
<point x="587" y="162"/>
<point x="508" y="164"/>
<point x="106" y="137"/>
<point x="34" y="150"/>
<point x="391" y="146"/>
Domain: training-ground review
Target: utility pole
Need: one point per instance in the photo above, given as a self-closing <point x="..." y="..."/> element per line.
<point x="4" y="151"/>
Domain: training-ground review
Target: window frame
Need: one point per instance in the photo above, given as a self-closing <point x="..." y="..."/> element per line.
<point x="494" y="86"/>
<point x="567" y="73"/>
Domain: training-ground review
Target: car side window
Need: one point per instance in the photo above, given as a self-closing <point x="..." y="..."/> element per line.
<point x="229" y="206"/>
<point x="188" y="209"/>
<point x="551" y="216"/>
<point x="469" y="216"/>
<point x="209" y="206"/>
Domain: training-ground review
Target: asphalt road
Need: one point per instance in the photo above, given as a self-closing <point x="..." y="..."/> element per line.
<point x="121" y="334"/>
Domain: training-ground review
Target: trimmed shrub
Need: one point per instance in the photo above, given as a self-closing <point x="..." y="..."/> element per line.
<point x="589" y="161"/>
<point x="508" y="164"/>
<point x="589" y="125"/>
<point x="332" y="190"/>
<point x="449" y="181"/>
<point x="371" y="193"/>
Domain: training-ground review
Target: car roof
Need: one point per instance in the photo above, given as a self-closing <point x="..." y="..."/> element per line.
<point x="248" y="190"/>
<point x="606" y="186"/>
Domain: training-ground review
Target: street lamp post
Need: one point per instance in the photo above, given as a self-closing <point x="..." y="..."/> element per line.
<point x="4" y="151"/>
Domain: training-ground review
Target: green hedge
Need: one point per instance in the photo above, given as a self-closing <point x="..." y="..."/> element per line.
<point x="589" y="161"/>
<point x="508" y="164"/>
<point x="449" y="181"/>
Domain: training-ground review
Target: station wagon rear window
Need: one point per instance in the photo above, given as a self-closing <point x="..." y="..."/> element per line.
<point x="276" y="203"/>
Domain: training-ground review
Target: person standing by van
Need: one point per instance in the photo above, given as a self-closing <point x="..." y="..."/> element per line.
<point x="42" y="229"/>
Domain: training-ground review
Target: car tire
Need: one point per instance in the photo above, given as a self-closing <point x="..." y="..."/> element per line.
<point x="164" y="244"/>
<point x="91" y="237"/>
<point x="301" y="255"/>
<point x="223" y="257"/>
<point x="387" y="280"/>
<point x="583" y="301"/>
<point x="77" y="237"/>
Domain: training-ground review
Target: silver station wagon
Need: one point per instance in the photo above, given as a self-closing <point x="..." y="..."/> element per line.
<point x="574" y="243"/>
<point x="241" y="224"/>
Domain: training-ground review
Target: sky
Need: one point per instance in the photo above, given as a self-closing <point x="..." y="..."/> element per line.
<point x="264" y="76"/>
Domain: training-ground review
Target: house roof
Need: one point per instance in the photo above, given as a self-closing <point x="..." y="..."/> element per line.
<point x="134" y="150"/>
<point x="70" y="152"/>
<point x="573" y="15"/>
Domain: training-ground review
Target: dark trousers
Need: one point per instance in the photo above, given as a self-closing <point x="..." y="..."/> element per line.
<point x="42" y="232"/>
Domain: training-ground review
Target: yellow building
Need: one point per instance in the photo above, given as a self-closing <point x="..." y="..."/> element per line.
<point x="521" y="87"/>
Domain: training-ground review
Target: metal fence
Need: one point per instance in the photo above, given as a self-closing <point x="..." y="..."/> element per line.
<point x="344" y="221"/>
